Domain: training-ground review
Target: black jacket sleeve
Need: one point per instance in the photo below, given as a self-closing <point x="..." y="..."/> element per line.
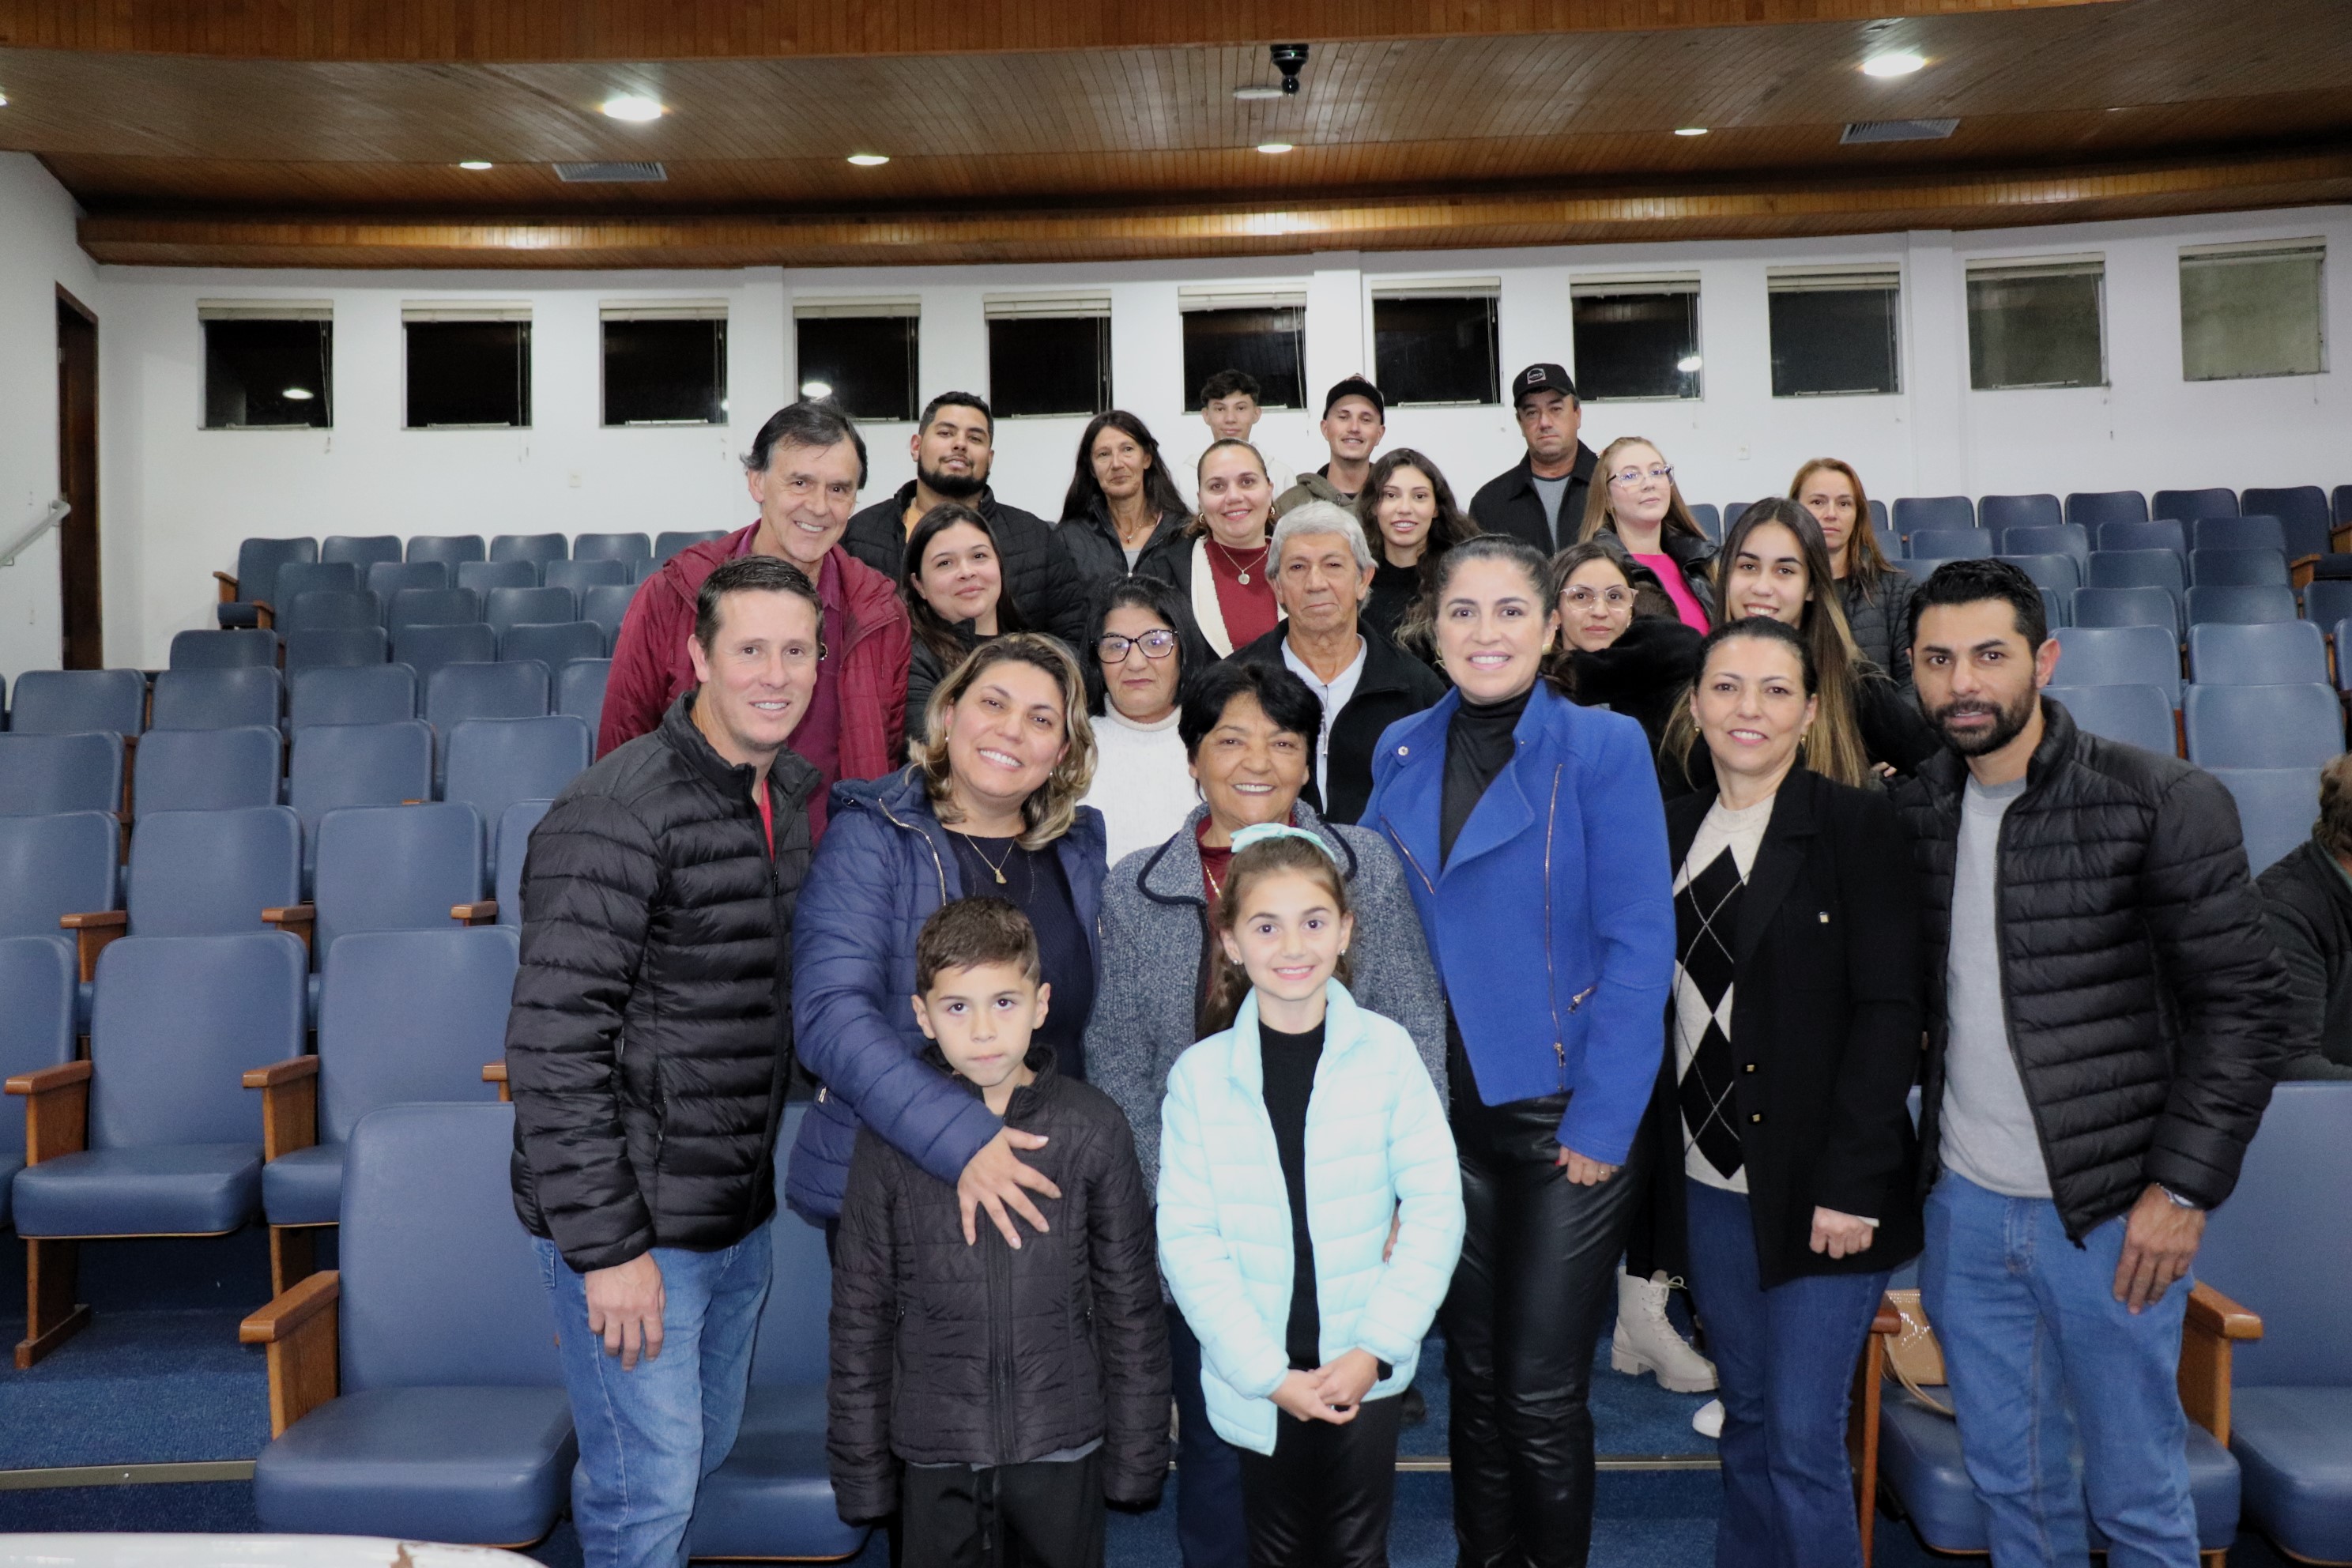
<point x="2214" y="948"/>
<point x="589" y="883"/>
<point x="1866" y="1164"/>
<point x="923" y="674"/>
<point x="1893" y="731"/>
<point x="859" y="1392"/>
<point x="2301" y="948"/>
<point x="1130" y="1327"/>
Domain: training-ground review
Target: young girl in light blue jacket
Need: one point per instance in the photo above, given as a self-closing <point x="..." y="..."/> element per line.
<point x="1310" y="1210"/>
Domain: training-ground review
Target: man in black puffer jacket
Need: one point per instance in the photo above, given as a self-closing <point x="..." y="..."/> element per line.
<point x="648" y="1050"/>
<point x="2107" y="1015"/>
<point x="977" y="1390"/>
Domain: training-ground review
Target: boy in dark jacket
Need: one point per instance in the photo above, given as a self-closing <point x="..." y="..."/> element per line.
<point x="994" y="1394"/>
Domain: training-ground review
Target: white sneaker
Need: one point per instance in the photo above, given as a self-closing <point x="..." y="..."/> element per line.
<point x="1646" y="1342"/>
<point x="1707" y="1419"/>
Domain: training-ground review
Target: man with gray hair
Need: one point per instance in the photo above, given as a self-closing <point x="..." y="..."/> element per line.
<point x="1322" y="571"/>
<point x="2307" y="896"/>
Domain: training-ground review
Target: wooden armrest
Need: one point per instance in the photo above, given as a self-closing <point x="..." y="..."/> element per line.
<point x="2339" y="537"/>
<point x="92" y="932"/>
<point x="481" y="912"/>
<point x="496" y="1072"/>
<point x="1887" y="1321"/>
<point x="300" y="1329"/>
<point x="2301" y="571"/>
<point x="289" y="1104"/>
<point x="284" y="1072"/>
<point x="2212" y="1323"/>
<point x="96" y="920"/>
<point x="2212" y="1313"/>
<point x="295" y="918"/>
<point x="47" y="1080"/>
<point x="227" y="587"/>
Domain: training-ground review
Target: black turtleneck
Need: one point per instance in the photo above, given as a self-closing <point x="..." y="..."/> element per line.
<point x="1478" y="743"/>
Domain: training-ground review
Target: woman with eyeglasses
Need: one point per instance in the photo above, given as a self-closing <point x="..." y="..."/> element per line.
<point x="953" y="583"/>
<point x="1637" y="501"/>
<point x="1141" y="646"/>
<point x="1878" y="594"/>
<point x="1622" y="646"/>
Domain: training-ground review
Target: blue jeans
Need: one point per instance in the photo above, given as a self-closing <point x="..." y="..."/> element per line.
<point x="1785" y="1358"/>
<point x="1210" y="1530"/>
<point x="649" y="1435"/>
<point x="2062" y="1395"/>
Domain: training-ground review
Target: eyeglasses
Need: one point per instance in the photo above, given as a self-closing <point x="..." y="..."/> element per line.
<point x="1155" y="645"/>
<point x="1635" y="475"/>
<point x="1585" y="598"/>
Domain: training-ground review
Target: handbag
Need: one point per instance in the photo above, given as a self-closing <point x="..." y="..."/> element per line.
<point x="1912" y="1354"/>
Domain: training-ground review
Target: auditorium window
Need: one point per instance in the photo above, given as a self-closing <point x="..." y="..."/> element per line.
<point x="2253" y="309"/>
<point x="862" y="355"/>
<point x="1048" y="354"/>
<point x="468" y="365"/>
<point x="2037" y="323"/>
<point x="1437" y="342"/>
<point x="268" y="365"/>
<point x="1834" y="331"/>
<point x="666" y="361"/>
<point x="1261" y="332"/>
<point x="1636" y="337"/>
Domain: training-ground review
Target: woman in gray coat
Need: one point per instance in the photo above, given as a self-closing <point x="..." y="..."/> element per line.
<point x="1249" y="735"/>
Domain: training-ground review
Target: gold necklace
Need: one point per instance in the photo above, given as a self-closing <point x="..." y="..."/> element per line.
<point x="1241" y="573"/>
<point x="995" y="867"/>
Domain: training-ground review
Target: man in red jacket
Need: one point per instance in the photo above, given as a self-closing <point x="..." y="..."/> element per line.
<point x="804" y="470"/>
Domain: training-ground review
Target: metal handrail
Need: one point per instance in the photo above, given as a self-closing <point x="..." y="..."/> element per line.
<point x="55" y="515"/>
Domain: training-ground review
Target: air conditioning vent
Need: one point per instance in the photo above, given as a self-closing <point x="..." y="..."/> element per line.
<point x="610" y="173"/>
<point x="1899" y="131"/>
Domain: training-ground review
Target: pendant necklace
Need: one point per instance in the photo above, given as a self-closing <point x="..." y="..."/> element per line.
<point x="1241" y="573"/>
<point x="996" y="869"/>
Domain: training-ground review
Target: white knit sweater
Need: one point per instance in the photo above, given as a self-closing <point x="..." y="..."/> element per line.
<point x="1141" y="785"/>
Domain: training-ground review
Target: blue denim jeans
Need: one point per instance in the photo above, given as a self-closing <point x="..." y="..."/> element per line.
<point x="649" y="1435"/>
<point x="1785" y="1358"/>
<point x="2063" y="1396"/>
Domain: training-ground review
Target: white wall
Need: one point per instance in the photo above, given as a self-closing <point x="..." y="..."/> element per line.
<point x="179" y="498"/>
<point x="37" y="254"/>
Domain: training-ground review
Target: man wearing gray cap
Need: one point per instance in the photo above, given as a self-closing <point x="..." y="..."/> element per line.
<point x="1540" y="498"/>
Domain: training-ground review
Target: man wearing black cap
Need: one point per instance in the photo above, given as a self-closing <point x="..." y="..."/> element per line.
<point x="1541" y="498"/>
<point x="1355" y="417"/>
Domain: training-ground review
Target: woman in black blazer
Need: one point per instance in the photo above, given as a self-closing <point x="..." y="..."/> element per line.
<point x="1792" y="1040"/>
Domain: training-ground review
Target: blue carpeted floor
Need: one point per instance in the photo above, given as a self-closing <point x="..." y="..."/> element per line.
<point x="160" y="1377"/>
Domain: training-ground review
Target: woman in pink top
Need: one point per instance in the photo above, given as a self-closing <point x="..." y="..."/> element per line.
<point x="1635" y="498"/>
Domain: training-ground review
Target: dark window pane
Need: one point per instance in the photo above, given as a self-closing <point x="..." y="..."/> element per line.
<point x="866" y="363"/>
<point x="1269" y="344"/>
<point x="666" y="373"/>
<point x="2035" y="332"/>
<point x="1637" y="345"/>
<point x="1049" y="364"/>
<point x="1436" y="351"/>
<point x="263" y="374"/>
<point x="1832" y="340"/>
<point x="469" y="374"/>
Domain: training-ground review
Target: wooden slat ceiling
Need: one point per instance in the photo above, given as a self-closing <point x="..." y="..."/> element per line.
<point x="1496" y="133"/>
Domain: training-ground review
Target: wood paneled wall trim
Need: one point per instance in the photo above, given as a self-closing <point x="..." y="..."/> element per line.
<point x="1958" y="201"/>
<point x="481" y="31"/>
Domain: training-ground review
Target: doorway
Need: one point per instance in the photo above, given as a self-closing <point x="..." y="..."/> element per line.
<point x="84" y="643"/>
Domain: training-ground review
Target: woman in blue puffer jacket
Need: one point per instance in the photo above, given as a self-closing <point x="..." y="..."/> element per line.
<point x="989" y="803"/>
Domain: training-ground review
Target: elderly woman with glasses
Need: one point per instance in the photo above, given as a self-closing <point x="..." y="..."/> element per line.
<point x="1141" y="646"/>
<point x="1637" y="501"/>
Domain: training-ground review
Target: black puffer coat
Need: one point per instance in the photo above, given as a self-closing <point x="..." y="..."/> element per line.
<point x="948" y="1353"/>
<point x="1879" y="620"/>
<point x="650" y="1040"/>
<point x="2147" y="1004"/>
<point x="1097" y="557"/>
<point x="1037" y="570"/>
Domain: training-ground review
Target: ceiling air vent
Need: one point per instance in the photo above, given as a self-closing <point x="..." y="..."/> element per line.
<point x="618" y="173"/>
<point x="1899" y="131"/>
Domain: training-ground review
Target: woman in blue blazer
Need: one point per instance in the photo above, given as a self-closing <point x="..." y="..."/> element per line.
<point x="1535" y="846"/>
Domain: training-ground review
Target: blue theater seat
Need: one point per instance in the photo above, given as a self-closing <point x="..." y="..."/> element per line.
<point x="338" y="766"/>
<point x="2291" y="1408"/>
<point x="2095" y="507"/>
<point x="606" y="607"/>
<point x="612" y="547"/>
<point x="368" y="694"/>
<point x="412" y="607"/>
<point x="589" y="572"/>
<point x="2258" y="532"/>
<point x="450" y="550"/>
<point x="2119" y="656"/>
<point x="1951" y="545"/>
<point x="773" y="1496"/>
<point x="2164" y="534"/>
<point x="2138" y="606"/>
<point x="323" y="612"/>
<point x="2189" y="506"/>
<point x="388" y="578"/>
<point x="216" y="700"/>
<point x="2263" y="726"/>
<point x="388" y="867"/>
<point x="297" y="578"/>
<point x="243" y="596"/>
<point x="208" y="770"/>
<point x="2137" y="715"/>
<point x="363" y="551"/>
<point x="335" y="648"/>
<point x="2245" y="604"/>
<point x="448" y="1420"/>
<point x="493" y="762"/>
<point x="482" y="576"/>
<point x="41" y="775"/>
<point x="514" y="690"/>
<point x="669" y="544"/>
<point x="2020" y="512"/>
<point x="513" y="843"/>
<point x="553" y="642"/>
<point x="211" y="873"/>
<point x="580" y="689"/>
<point x="1914" y="512"/>
<point x="55" y="866"/>
<point x="404" y="1018"/>
<point x="2069" y="539"/>
<point x="2275" y="809"/>
<point x="536" y="548"/>
<point x="2237" y="568"/>
<point x="72" y="701"/>
<point x="223" y="651"/>
<point x="37" y="1031"/>
<point x="429" y="648"/>
<point x="507" y="608"/>
<point x="2269" y="653"/>
<point x="173" y="1146"/>
<point x="2302" y="513"/>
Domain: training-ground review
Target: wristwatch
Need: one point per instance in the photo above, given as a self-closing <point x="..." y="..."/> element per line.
<point x="2176" y="1200"/>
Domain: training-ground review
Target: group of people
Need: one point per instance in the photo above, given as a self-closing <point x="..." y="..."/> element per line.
<point x="1219" y="942"/>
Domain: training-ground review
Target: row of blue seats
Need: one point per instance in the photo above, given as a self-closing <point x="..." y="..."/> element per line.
<point x="2076" y="539"/>
<point x="351" y="610"/>
<point x="2148" y="605"/>
<point x="2302" y="506"/>
<point x="503" y="593"/>
<point x="259" y="589"/>
<point x="438" y="682"/>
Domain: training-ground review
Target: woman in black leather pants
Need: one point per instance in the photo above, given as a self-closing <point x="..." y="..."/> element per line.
<point x="1535" y="846"/>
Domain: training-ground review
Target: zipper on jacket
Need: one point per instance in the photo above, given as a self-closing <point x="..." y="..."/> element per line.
<point x="1397" y="839"/>
<point x="1000" y="1347"/>
<point x="1551" y="977"/>
<point x="936" y="864"/>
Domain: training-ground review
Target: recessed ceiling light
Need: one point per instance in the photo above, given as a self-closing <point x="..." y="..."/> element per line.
<point x="1900" y="63"/>
<point x="869" y="160"/>
<point x="296" y="394"/>
<point x="476" y="163"/>
<point x="1274" y="146"/>
<point x="1690" y="129"/>
<point x="3" y="100"/>
<point x="816" y="389"/>
<point x="1256" y="94"/>
<point x="1688" y="363"/>
<point x="633" y="105"/>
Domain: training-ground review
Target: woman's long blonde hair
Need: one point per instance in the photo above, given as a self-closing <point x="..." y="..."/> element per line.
<point x="1053" y="805"/>
<point x="1599" y="515"/>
